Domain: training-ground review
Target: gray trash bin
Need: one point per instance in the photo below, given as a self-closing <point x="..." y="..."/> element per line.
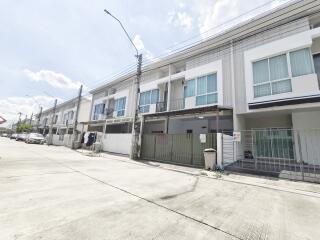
<point x="210" y="156"/>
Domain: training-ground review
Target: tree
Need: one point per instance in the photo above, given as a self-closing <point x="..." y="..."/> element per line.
<point x="24" y="127"/>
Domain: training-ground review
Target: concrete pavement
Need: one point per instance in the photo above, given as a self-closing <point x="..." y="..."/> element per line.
<point x="56" y="193"/>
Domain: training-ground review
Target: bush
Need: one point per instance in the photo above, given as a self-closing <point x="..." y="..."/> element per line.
<point x="24" y="127"/>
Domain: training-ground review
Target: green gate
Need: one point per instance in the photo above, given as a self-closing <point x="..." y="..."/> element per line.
<point x="184" y="149"/>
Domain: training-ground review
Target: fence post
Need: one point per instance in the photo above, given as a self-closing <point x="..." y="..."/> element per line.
<point x="300" y="154"/>
<point x="219" y="150"/>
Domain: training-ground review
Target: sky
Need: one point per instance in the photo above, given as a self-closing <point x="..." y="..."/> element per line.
<point x="49" y="48"/>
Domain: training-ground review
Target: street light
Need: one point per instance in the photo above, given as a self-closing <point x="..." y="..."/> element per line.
<point x="135" y="136"/>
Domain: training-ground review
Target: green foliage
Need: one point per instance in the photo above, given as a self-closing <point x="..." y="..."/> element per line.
<point x="24" y="127"/>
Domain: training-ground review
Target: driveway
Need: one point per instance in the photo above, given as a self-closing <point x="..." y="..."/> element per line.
<point x="57" y="193"/>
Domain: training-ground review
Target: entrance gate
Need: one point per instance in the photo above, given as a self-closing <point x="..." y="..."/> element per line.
<point x="285" y="153"/>
<point x="183" y="149"/>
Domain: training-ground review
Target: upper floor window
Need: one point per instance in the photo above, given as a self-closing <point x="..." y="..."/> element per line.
<point x="98" y="109"/>
<point x="204" y="88"/>
<point x="120" y="106"/>
<point x="147" y="98"/>
<point x="273" y="76"/>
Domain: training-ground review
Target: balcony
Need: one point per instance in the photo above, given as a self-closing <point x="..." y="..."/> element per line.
<point x="161" y="106"/>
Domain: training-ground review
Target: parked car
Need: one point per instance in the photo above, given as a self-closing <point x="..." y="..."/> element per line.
<point x="4" y="135"/>
<point x="13" y="136"/>
<point x="35" y="138"/>
<point x="21" y="137"/>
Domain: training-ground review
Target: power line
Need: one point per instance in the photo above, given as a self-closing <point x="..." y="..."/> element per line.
<point x="131" y="67"/>
<point x="186" y="51"/>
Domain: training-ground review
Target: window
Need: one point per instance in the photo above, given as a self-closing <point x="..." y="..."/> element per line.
<point x="301" y="62"/>
<point x="120" y="105"/>
<point x="271" y="76"/>
<point x="98" y="109"/>
<point x="204" y="88"/>
<point x="207" y="90"/>
<point x="147" y="98"/>
<point x="190" y="88"/>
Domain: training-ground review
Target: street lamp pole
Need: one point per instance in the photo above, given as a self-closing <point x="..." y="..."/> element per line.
<point x="135" y="134"/>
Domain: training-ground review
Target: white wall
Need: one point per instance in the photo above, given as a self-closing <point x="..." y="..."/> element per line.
<point x="179" y="126"/>
<point x="117" y="143"/>
<point x="306" y="120"/>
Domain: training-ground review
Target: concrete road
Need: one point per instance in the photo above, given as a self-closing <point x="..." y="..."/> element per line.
<point x="56" y="193"/>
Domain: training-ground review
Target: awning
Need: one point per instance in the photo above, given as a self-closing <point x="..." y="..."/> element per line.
<point x="199" y="110"/>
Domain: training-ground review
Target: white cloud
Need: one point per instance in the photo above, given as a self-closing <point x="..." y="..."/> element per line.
<point x="181" y="19"/>
<point x="141" y="48"/>
<point x="215" y="17"/>
<point x="10" y="107"/>
<point x="54" y="79"/>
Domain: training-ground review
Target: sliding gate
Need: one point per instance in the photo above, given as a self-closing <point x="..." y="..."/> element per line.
<point x="183" y="149"/>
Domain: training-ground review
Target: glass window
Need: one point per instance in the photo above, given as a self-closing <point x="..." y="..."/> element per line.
<point x="281" y="87"/>
<point x="262" y="90"/>
<point x="301" y="62"/>
<point x="190" y="88"/>
<point x="212" y="83"/>
<point x="147" y="98"/>
<point x="271" y="76"/>
<point x="261" y="71"/>
<point x="201" y="85"/>
<point x="278" y="67"/>
<point x="154" y="96"/>
<point x="201" y="100"/>
<point x="207" y="90"/>
<point x="120" y="106"/>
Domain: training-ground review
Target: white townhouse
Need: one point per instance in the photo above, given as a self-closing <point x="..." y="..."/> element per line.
<point x="63" y="118"/>
<point x="262" y="74"/>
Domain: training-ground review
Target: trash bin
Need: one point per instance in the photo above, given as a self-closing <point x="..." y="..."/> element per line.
<point x="210" y="156"/>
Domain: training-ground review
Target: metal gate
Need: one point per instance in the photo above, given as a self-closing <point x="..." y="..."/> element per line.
<point x="285" y="153"/>
<point x="183" y="149"/>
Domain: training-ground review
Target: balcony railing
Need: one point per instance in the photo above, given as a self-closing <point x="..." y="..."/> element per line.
<point x="102" y="116"/>
<point x="161" y="107"/>
<point x="177" y="104"/>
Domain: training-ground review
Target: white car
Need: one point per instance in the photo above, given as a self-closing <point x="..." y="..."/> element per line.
<point x="35" y="138"/>
<point x="21" y="136"/>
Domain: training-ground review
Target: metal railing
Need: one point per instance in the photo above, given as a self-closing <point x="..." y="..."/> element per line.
<point x="287" y="153"/>
<point x="161" y="106"/>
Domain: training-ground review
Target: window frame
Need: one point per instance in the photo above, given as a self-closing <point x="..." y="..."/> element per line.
<point x="145" y="108"/>
<point x="289" y="68"/>
<point x="120" y="112"/>
<point x="196" y="95"/>
<point x="101" y="108"/>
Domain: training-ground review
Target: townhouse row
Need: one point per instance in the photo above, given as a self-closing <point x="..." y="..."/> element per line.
<point x="263" y="73"/>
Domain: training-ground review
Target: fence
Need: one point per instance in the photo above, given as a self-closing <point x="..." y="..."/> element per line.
<point x="117" y="143"/>
<point x="287" y="153"/>
<point x="184" y="149"/>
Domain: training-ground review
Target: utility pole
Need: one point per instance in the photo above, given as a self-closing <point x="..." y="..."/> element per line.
<point x="30" y="122"/>
<point x="135" y="136"/>
<point x="25" y="119"/>
<point x="39" y="117"/>
<point x="20" y="113"/>
<point x="75" y="132"/>
<point x="49" y="141"/>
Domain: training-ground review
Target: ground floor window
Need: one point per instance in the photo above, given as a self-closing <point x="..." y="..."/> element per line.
<point x="276" y="143"/>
